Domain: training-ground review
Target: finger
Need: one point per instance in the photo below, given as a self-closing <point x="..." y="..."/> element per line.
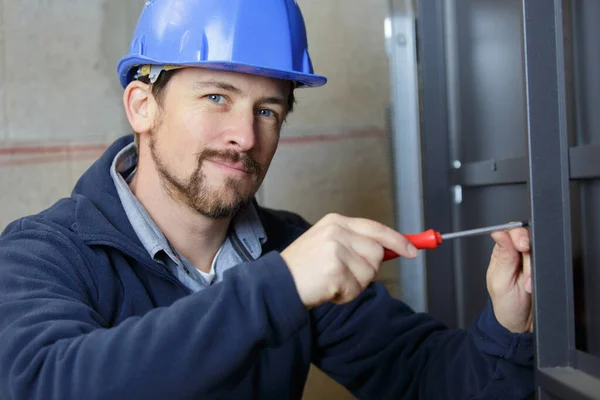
<point x="520" y="239"/>
<point x="367" y="248"/>
<point x="504" y="243"/>
<point x="349" y="288"/>
<point x="382" y="234"/>
<point x="505" y="260"/>
<point x="527" y="277"/>
<point x="362" y="271"/>
<point x="364" y="246"/>
<point x="349" y="292"/>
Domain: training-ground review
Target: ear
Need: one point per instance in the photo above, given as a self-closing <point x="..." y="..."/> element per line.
<point x="140" y="107"/>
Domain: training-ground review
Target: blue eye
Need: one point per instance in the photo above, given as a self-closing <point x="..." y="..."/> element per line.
<point x="216" y="98"/>
<point x="266" y="113"/>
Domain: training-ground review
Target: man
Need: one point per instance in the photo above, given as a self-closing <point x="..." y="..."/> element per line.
<point x="161" y="278"/>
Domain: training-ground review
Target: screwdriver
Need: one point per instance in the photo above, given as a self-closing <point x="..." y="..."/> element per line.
<point x="431" y="239"/>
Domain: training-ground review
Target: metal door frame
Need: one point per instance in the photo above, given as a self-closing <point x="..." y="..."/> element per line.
<point x="422" y="140"/>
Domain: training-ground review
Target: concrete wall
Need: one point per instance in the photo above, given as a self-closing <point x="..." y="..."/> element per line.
<point x="60" y="106"/>
<point x="59" y="94"/>
<point x="333" y="156"/>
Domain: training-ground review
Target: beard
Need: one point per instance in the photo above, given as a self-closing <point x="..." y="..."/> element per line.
<point x="217" y="203"/>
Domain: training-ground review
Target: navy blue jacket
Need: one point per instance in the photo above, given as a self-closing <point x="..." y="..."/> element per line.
<point x="85" y="313"/>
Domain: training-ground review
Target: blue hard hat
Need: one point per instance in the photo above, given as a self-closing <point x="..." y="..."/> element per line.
<point x="261" y="37"/>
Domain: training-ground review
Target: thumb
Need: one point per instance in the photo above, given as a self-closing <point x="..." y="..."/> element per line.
<point x="505" y="260"/>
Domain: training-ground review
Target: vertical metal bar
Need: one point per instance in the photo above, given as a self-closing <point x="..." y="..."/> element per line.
<point x="436" y="163"/>
<point x="406" y="144"/>
<point x="549" y="182"/>
<point x="453" y="34"/>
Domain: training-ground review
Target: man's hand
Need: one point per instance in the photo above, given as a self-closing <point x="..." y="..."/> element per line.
<point x="339" y="257"/>
<point x="509" y="280"/>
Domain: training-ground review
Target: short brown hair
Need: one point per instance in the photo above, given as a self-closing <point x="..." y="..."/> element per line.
<point x="158" y="89"/>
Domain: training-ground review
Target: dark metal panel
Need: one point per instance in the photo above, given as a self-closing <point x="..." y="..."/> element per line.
<point x="487" y="121"/>
<point x="585" y="164"/>
<point x="546" y="396"/>
<point x="441" y="291"/>
<point x="492" y="117"/>
<point x="549" y="182"/>
<point x="569" y="384"/>
<point x="586" y="14"/>
<point x="492" y="172"/>
<point x="585" y="161"/>
<point x="589" y="269"/>
<point x="586" y="363"/>
<point x="577" y="224"/>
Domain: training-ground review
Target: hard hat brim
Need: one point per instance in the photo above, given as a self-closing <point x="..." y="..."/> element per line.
<point x="126" y="70"/>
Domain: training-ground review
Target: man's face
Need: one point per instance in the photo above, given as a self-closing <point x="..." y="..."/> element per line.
<point x="215" y="137"/>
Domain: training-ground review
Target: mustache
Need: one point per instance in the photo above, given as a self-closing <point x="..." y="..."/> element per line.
<point x="231" y="156"/>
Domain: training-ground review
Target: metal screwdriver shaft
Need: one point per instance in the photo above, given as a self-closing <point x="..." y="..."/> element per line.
<point x="483" y="231"/>
<point x="431" y="239"/>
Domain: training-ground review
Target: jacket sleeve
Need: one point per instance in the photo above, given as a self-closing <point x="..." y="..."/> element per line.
<point x="53" y="344"/>
<point x="379" y="348"/>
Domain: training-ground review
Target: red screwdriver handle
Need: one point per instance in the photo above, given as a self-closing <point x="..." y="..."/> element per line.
<point x="426" y="240"/>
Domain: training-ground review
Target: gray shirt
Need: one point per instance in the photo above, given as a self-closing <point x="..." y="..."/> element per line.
<point x="243" y="243"/>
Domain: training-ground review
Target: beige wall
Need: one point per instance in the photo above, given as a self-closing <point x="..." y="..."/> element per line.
<point x="342" y="163"/>
<point x="59" y="94"/>
<point x="60" y="105"/>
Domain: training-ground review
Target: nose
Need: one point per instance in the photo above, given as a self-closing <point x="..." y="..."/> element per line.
<point x="241" y="133"/>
